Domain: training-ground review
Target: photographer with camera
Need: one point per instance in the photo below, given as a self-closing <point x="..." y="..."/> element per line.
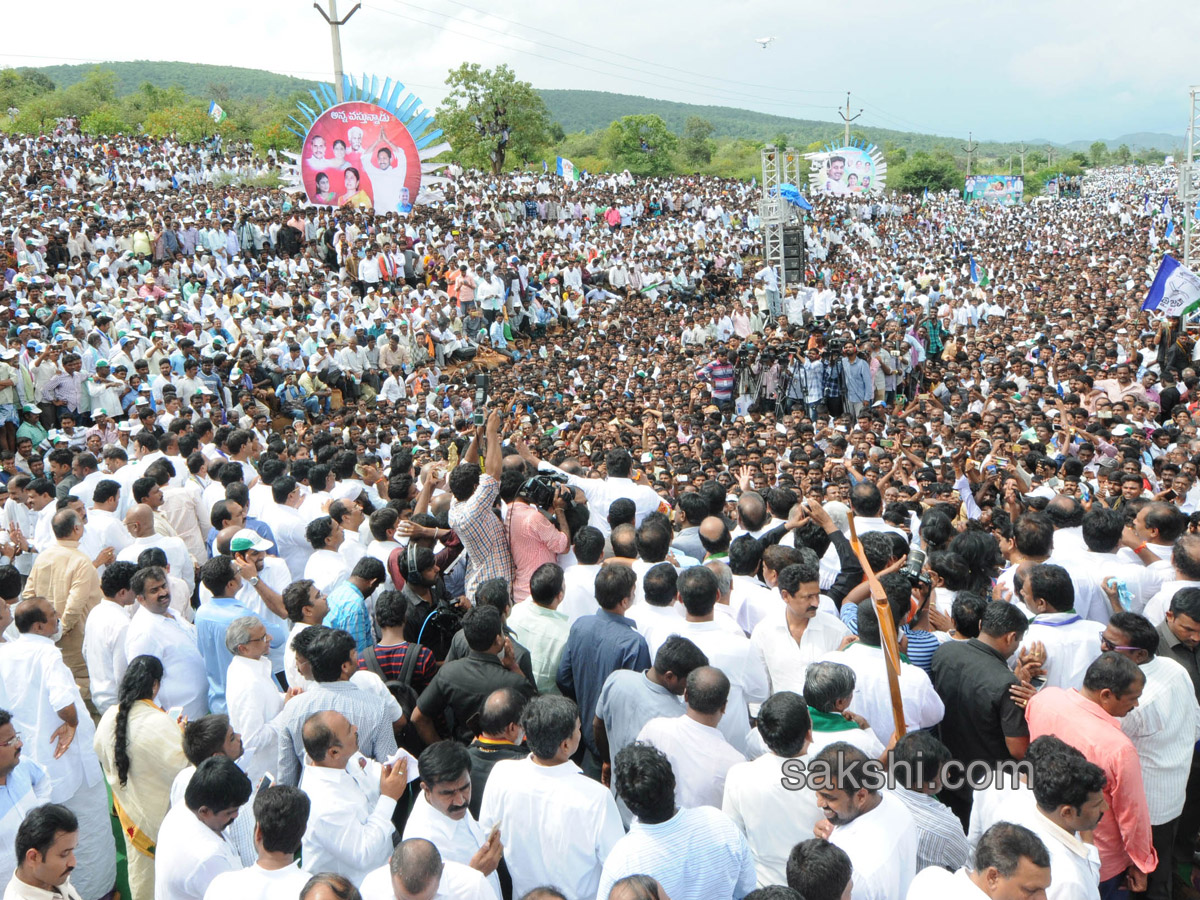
<point x="537" y="528"/>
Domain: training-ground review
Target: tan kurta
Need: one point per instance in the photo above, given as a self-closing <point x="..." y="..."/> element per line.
<point x="67" y="578"/>
<point x="154" y="743"/>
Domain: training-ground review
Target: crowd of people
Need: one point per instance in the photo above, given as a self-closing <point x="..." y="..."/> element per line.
<point x="518" y="547"/>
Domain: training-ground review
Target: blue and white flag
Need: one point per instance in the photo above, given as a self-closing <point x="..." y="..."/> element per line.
<point x="218" y="114"/>
<point x="566" y="169"/>
<point x="1170" y="229"/>
<point x="974" y="272"/>
<point x="545" y="167"/>
<point x="1175" y="291"/>
<point x="1167" y="207"/>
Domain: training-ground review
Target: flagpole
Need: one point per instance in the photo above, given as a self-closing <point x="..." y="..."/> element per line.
<point x="887" y="630"/>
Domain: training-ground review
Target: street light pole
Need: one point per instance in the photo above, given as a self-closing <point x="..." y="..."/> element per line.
<point x="334" y="25"/>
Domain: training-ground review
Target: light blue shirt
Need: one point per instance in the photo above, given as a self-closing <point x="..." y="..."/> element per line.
<point x="212" y="621"/>
<point x="697" y="854"/>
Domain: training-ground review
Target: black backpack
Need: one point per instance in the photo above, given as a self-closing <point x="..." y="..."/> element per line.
<point x="401" y="688"/>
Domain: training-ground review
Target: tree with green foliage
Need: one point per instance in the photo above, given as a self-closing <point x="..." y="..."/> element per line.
<point x="1098" y="153"/>
<point x="937" y="172"/>
<point x="1123" y="155"/>
<point x="641" y="144"/>
<point x="489" y="117"/>
<point x="697" y="145"/>
<point x="104" y="120"/>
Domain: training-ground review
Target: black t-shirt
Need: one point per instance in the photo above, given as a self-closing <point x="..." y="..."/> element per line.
<point x="973" y="681"/>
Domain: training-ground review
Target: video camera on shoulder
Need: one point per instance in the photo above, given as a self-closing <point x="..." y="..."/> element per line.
<point x="481" y="394"/>
<point x="542" y="489"/>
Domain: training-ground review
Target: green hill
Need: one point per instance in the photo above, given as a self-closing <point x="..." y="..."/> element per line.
<point x="575" y="110"/>
<point x="198" y="80"/>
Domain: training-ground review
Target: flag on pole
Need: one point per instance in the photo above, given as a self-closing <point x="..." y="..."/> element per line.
<point x="566" y="169"/>
<point x="1175" y="291"/>
<point x="1145" y="204"/>
<point x="1170" y="229"/>
<point x="545" y="167"/>
<point x="218" y="114"/>
<point x="925" y="197"/>
<point x="1167" y="207"/>
<point x="974" y="272"/>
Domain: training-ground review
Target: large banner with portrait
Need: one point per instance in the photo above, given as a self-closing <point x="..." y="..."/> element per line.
<point x="360" y="154"/>
<point x="852" y="170"/>
<point x="1005" y="190"/>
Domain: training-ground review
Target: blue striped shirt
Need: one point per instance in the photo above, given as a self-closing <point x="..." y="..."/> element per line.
<point x="697" y="854"/>
<point x="363" y="709"/>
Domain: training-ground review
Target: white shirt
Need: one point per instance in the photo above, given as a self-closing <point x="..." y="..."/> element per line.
<point x="1164" y="728"/>
<point x="253" y="699"/>
<point x="752" y="601"/>
<point x="699" y="754"/>
<point x="882" y="846"/>
<point x="349" y="823"/>
<point x="325" y="568"/>
<point x="456" y="841"/>
<point x="38" y="684"/>
<point x="923" y="708"/>
<point x="173" y="641"/>
<point x="458" y="882"/>
<point x="773" y="818"/>
<point x="275" y="575"/>
<point x="104" y="651"/>
<point x="1072" y="644"/>
<point x="1156" y="609"/>
<point x="188" y="856"/>
<point x="579" y="591"/>
<point x="733" y="655"/>
<point x="561" y="841"/>
<point x="256" y="883"/>
<point x="785" y="660"/>
<point x="288" y="527"/>
<point x="935" y="883"/>
<point x="1074" y="865"/>
<point x="601" y="492"/>
<point x="179" y="558"/>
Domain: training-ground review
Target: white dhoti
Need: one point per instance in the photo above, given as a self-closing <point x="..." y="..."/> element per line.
<point x="96" y="855"/>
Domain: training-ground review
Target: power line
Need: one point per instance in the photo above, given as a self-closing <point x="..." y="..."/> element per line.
<point x="611" y="52"/>
<point x="730" y="96"/>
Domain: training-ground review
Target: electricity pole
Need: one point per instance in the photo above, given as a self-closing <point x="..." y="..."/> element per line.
<point x="970" y="151"/>
<point x="1022" y="150"/>
<point x="334" y="24"/>
<point x="847" y="118"/>
<point x="1049" y="156"/>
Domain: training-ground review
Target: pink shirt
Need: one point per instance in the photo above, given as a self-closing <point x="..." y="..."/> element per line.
<point x="1123" y="835"/>
<point x="534" y="540"/>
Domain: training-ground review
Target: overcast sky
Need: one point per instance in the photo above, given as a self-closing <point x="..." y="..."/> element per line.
<point x="1022" y="70"/>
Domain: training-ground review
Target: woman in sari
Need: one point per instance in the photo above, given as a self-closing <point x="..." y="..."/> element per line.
<point x="141" y="751"/>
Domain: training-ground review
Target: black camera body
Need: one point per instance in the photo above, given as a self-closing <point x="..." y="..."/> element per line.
<point x="912" y="568"/>
<point x="541" y="490"/>
<point x="481" y="393"/>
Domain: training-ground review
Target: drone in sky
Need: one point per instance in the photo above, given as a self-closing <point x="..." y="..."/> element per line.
<point x="764" y="42"/>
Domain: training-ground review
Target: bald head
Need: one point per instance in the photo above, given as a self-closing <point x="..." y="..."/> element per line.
<point x="416" y="867"/>
<point x="752" y="511"/>
<point x="35" y="615"/>
<point x="707" y="691"/>
<point x="139" y="521"/>
<point x="714" y="535"/>
<point x="224" y="537"/>
<point x="624" y="541"/>
<point x="328" y="739"/>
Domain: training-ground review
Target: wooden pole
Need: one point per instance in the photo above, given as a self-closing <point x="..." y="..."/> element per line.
<point x="887" y="630"/>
